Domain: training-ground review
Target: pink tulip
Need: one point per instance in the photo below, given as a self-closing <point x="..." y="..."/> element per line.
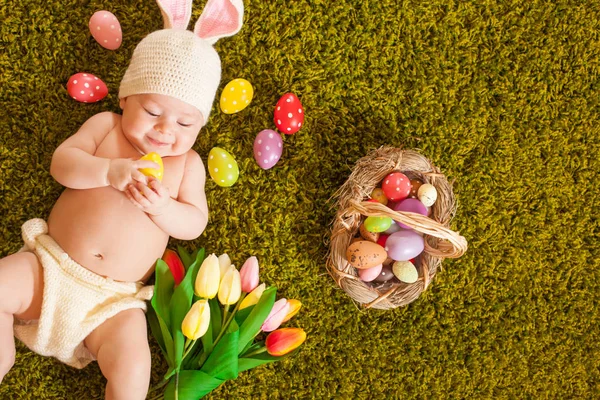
<point x="276" y="316"/>
<point x="249" y="275"/>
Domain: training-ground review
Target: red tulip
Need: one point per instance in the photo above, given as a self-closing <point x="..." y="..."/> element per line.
<point x="285" y="340"/>
<point x="175" y="265"/>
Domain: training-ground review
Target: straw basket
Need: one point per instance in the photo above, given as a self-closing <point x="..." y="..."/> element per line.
<point x="440" y="241"/>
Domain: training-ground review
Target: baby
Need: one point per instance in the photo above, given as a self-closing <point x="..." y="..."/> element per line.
<point x="76" y="291"/>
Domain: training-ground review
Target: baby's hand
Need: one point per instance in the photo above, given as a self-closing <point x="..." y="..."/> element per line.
<point x="123" y="172"/>
<point x="152" y="200"/>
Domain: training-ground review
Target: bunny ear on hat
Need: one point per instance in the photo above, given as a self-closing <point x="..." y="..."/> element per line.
<point x="176" y="13"/>
<point x="219" y="19"/>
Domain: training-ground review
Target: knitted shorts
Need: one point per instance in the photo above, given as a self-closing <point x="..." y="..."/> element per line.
<point x="75" y="301"/>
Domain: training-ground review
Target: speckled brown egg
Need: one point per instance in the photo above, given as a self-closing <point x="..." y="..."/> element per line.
<point x="370" y="236"/>
<point x="414" y="191"/>
<point x="364" y="254"/>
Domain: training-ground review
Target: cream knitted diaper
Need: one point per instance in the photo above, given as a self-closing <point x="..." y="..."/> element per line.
<point x="76" y="301"/>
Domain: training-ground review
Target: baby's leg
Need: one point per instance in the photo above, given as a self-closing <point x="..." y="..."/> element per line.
<point x="121" y="347"/>
<point x="21" y="289"/>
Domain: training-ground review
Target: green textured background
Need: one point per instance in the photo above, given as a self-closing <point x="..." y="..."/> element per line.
<point x="502" y="96"/>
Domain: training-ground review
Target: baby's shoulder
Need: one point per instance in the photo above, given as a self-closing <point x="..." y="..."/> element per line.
<point x="193" y="163"/>
<point x="105" y="118"/>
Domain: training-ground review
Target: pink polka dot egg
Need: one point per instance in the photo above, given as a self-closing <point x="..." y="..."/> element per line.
<point x="268" y="147"/>
<point x="106" y="29"/>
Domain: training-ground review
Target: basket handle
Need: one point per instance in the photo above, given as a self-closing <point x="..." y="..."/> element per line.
<point x="453" y="246"/>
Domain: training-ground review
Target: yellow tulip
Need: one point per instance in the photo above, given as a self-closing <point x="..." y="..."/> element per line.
<point x="207" y="280"/>
<point x="196" y="322"/>
<point x="294" y="308"/>
<point x="224" y="263"/>
<point x="230" y="289"/>
<point x="253" y="296"/>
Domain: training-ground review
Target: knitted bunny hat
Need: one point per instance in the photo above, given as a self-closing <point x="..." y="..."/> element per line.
<point x="181" y="63"/>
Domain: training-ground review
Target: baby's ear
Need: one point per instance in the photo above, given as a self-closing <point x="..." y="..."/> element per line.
<point x="176" y="13"/>
<point x="220" y="18"/>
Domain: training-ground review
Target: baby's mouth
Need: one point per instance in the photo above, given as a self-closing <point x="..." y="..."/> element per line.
<point x="157" y="143"/>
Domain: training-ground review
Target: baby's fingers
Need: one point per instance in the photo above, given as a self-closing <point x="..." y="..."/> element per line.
<point x="145" y="164"/>
<point x="139" y="177"/>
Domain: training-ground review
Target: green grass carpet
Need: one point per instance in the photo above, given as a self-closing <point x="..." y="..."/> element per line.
<point x="502" y="95"/>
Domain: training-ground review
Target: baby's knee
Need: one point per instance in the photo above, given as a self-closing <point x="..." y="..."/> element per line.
<point x="130" y="363"/>
<point x="7" y="360"/>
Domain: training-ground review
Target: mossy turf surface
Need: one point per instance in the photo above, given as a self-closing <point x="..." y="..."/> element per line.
<point x="501" y="95"/>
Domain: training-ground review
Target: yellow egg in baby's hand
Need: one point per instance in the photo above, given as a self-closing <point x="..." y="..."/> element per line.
<point x="236" y="96"/>
<point x="157" y="173"/>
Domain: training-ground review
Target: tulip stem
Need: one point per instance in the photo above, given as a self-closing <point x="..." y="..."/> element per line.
<point x="225" y="312"/>
<point x="189" y="345"/>
<point x="226" y="321"/>
<point x="177" y="386"/>
<point x="255" y="352"/>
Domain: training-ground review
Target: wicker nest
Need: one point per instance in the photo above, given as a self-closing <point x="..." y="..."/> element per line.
<point x="440" y="241"/>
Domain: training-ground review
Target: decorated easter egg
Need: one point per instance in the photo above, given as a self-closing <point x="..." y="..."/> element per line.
<point x="268" y="146"/>
<point x="86" y="88"/>
<point x="364" y="254"/>
<point x="236" y="96"/>
<point x="378" y="195"/>
<point x="394" y="227"/>
<point x="405" y="271"/>
<point x="413" y="206"/>
<point x="396" y="186"/>
<point x="385" y="275"/>
<point x="377" y="224"/>
<point x="365" y="234"/>
<point x="157" y="173"/>
<point x="289" y="114"/>
<point x="222" y="167"/>
<point x="428" y="194"/>
<point x="105" y="28"/>
<point x="367" y="275"/>
<point x="415" y="184"/>
<point x="404" y="245"/>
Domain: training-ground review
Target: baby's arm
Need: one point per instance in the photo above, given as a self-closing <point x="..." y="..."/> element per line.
<point x="186" y="217"/>
<point x="75" y="166"/>
<point x="73" y="163"/>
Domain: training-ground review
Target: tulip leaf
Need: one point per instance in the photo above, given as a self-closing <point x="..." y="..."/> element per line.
<point x="161" y="334"/>
<point x="215" y="317"/>
<point x="163" y="290"/>
<point x="252" y="324"/>
<point x="186" y="257"/>
<point x="180" y="305"/>
<point x="242" y="314"/>
<point x="245" y="364"/>
<point x="193" y="385"/>
<point x="222" y="362"/>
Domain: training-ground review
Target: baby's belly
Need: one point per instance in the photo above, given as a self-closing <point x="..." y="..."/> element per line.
<point x="101" y="230"/>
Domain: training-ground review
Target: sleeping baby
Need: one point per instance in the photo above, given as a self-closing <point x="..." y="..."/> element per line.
<point x="76" y="290"/>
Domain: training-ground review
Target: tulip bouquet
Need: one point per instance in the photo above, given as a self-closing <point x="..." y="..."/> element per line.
<point x="206" y="317"/>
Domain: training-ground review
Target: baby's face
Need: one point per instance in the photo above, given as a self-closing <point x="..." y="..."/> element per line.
<point x="161" y="124"/>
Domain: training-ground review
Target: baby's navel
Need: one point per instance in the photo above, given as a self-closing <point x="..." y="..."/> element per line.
<point x="99" y="256"/>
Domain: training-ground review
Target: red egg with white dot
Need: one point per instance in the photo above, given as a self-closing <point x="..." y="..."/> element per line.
<point x="289" y="114"/>
<point x="396" y="186"/>
<point x="86" y="88"/>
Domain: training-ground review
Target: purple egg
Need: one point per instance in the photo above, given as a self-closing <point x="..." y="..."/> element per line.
<point x="404" y="245"/>
<point x="410" y="205"/>
<point x="268" y="146"/>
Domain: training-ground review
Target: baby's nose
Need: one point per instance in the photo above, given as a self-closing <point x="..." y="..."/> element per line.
<point x="163" y="127"/>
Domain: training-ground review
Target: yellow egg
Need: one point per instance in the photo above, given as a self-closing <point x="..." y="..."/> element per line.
<point x="222" y="167"/>
<point x="236" y="96"/>
<point x="157" y="173"/>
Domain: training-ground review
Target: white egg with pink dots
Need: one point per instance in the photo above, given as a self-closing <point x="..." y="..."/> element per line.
<point x="106" y="29"/>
